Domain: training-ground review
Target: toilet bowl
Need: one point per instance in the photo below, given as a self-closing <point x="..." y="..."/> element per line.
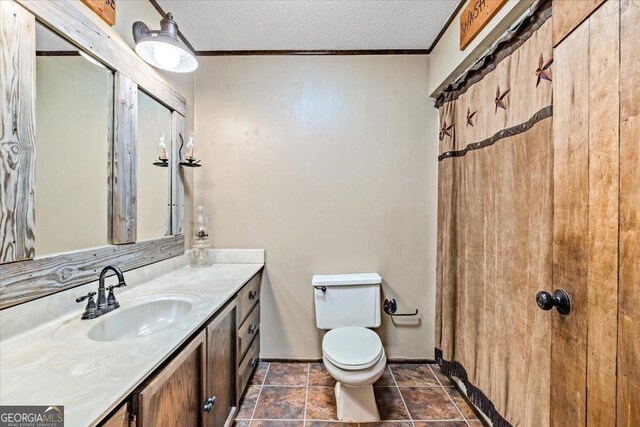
<point x="355" y="358"/>
<point x="347" y="305"/>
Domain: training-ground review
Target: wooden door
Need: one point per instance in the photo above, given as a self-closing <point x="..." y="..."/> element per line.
<point x="628" y="381"/>
<point x="174" y="396"/>
<point x="221" y="364"/>
<point x="589" y="215"/>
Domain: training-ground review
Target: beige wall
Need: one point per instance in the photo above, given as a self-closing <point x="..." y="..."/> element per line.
<point x="330" y="164"/>
<point x="127" y="12"/>
<point x="447" y="61"/>
<point x="73" y="98"/>
<point x="153" y="182"/>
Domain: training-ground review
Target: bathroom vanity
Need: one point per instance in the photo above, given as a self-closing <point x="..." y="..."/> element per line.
<point x="182" y="346"/>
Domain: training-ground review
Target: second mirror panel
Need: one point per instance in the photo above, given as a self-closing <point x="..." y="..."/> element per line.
<point x="154" y="186"/>
<point x="73" y="135"/>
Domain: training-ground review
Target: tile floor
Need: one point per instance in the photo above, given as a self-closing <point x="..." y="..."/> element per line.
<point x="302" y="394"/>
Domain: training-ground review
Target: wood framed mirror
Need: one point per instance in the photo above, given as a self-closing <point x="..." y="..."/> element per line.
<point x="100" y="229"/>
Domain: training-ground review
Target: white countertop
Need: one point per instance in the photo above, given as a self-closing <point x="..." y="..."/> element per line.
<point x="57" y="364"/>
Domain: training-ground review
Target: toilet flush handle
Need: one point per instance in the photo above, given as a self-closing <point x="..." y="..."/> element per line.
<point x="321" y="288"/>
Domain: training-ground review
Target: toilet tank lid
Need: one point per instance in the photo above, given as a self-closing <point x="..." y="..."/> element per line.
<point x="346" y="279"/>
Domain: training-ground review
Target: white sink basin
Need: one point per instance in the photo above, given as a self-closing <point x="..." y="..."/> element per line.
<point x="139" y="320"/>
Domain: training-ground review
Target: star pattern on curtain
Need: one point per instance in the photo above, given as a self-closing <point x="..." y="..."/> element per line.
<point x="543" y="72"/>
<point x="500" y="101"/>
<point x="470" y="117"/>
<point x="444" y="132"/>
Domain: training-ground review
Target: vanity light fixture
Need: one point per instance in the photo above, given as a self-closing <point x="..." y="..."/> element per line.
<point x="161" y="48"/>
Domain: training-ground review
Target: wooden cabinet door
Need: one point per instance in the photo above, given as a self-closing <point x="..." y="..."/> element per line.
<point x="119" y="419"/>
<point x="175" y="395"/>
<point x="221" y="343"/>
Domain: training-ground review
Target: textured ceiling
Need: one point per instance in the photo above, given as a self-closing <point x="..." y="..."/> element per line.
<point x="213" y="25"/>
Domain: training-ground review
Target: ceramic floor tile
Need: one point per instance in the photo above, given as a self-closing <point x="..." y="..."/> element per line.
<point x="241" y="423"/>
<point x="280" y="403"/>
<point x="440" y="424"/>
<point x="390" y="404"/>
<point x="258" y="375"/>
<point x="475" y="423"/>
<point x="387" y="424"/>
<point x="462" y="404"/>
<point x="442" y="377"/>
<point x="318" y="376"/>
<point x="248" y="403"/>
<point x="276" y="423"/>
<point x="429" y="403"/>
<point x="315" y="423"/>
<point x="292" y="374"/>
<point x="386" y="379"/>
<point x="321" y="403"/>
<point x="414" y="375"/>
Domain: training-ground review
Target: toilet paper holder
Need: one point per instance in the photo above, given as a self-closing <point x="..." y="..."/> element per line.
<point x="390" y="307"/>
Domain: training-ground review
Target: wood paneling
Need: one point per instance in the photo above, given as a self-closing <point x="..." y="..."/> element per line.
<point x="570" y="227"/>
<point x="221" y="365"/>
<point x="124" y="178"/>
<point x="17" y="132"/>
<point x="27" y="280"/>
<point x="175" y="395"/>
<point x="568" y="14"/>
<point x="177" y="174"/>
<point x="628" y="390"/>
<point x="75" y="26"/>
<point x="603" y="214"/>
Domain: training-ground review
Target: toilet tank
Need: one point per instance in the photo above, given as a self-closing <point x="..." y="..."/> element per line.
<point x="349" y="300"/>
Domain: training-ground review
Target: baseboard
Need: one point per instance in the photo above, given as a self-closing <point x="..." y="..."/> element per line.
<point x="312" y="360"/>
<point x="288" y="360"/>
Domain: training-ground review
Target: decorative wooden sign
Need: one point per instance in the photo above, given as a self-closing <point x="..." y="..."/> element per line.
<point x="475" y="16"/>
<point x="105" y="9"/>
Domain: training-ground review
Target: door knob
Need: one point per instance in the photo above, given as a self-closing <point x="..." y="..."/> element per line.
<point x="208" y="405"/>
<point x="560" y="300"/>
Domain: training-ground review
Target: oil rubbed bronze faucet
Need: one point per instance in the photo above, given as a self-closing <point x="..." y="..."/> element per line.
<point x="105" y="303"/>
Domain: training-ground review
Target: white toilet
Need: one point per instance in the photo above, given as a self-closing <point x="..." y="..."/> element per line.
<point x="346" y="305"/>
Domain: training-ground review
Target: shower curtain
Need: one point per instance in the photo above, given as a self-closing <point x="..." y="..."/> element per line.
<point x="495" y="226"/>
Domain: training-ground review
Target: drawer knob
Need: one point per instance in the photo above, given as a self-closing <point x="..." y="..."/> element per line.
<point x="253" y="329"/>
<point x="208" y="405"/>
<point x="252" y="295"/>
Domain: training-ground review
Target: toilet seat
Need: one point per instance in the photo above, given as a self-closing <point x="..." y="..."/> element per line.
<point x="352" y="348"/>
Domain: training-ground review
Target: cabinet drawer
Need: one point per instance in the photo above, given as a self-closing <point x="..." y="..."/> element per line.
<point x="248" y="297"/>
<point x="248" y="364"/>
<point x="248" y="331"/>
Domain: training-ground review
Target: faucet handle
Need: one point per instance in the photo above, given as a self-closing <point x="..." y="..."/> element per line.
<point x="91" y="310"/>
<point x="119" y="285"/>
<point x="111" y="298"/>
<point x="89" y="296"/>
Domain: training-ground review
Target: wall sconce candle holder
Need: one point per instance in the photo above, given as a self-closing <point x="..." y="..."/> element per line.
<point x="163" y="157"/>
<point x="190" y="161"/>
<point x="162" y="163"/>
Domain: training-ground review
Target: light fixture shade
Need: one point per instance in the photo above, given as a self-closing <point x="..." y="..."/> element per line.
<point x="162" y="49"/>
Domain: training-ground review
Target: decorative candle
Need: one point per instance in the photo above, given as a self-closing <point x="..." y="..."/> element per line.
<point x="162" y="148"/>
<point x="190" y="149"/>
